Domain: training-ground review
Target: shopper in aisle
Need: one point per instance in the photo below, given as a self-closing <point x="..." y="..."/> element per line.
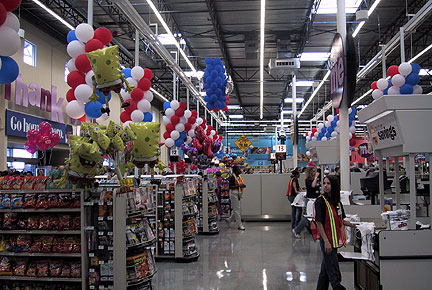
<point x="292" y="191"/>
<point x="236" y="185"/>
<point x="218" y="193"/>
<point x="329" y="215"/>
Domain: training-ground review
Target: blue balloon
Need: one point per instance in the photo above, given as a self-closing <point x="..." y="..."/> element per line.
<point x="323" y="130"/>
<point x="207" y="98"/>
<point x="9" y="70"/>
<point x="385" y="92"/>
<point x="127" y="72"/>
<point x="334" y="123"/>
<point x="328" y="135"/>
<point x="217" y="60"/>
<point x="319" y="138"/>
<point x="389" y="84"/>
<point x="320" y="135"/>
<point x="183" y="135"/>
<point x="101" y="97"/>
<point x="406" y="89"/>
<point x="93" y="110"/>
<point x="353" y="110"/>
<point x="210" y="67"/>
<point x="412" y="79"/>
<point x="330" y="129"/>
<point x="209" y="105"/>
<point x="214" y="74"/>
<point x="166" y="105"/>
<point x="179" y="142"/>
<point x="208" y="60"/>
<point x="415" y="68"/>
<point x="148" y="117"/>
<point x="71" y="36"/>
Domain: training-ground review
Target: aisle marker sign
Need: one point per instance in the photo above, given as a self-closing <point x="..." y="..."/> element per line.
<point x="243" y="143"/>
<point x="174" y="152"/>
<point x="280" y="148"/>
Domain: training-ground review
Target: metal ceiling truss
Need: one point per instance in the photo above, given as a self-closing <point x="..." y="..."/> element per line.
<point x="310" y="17"/>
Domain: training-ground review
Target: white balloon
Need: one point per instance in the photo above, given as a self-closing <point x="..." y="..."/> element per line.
<point x="405" y="68"/>
<point x="394" y="90"/>
<point x="212" y="132"/>
<point x="352" y="129"/>
<point x="169" y="112"/>
<point x="166" y="120"/>
<point x="10" y="41"/>
<point x="353" y="123"/>
<point x="1" y="63"/>
<point x="75" y="109"/>
<point x="187" y="114"/>
<point x="330" y="118"/>
<point x="75" y="48"/>
<point x="126" y="124"/>
<point x="320" y="126"/>
<point x="308" y="153"/>
<point x="316" y="134"/>
<point x="83" y="93"/>
<point x="188" y="140"/>
<point x="199" y="121"/>
<point x="137" y="116"/>
<point x="314" y="138"/>
<point x="169" y="142"/>
<point x="175" y="135"/>
<point x="417" y="90"/>
<point x="137" y="72"/>
<point x="337" y="129"/>
<point x="183" y="120"/>
<point x="191" y="133"/>
<point x="89" y="79"/>
<point x="132" y="82"/>
<point x="350" y="135"/>
<point x="125" y="95"/>
<point x="71" y="65"/>
<point x="84" y="32"/>
<point x="397" y="80"/>
<point x="144" y="105"/>
<point x="328" y="124"/>
<point x="175" y="104"/>
<point x="338" y="123"/>
<point x="12" y="22"/>
<point x="349" y="110"/>
<point x="102" y="118"/>
<point x="382" y="84"/>
<point x="324" y="139"/>
<point x="180" y="127"/>
<point x="148" y="96"/>
<point x="334" y="134"/>
<point x="376" y="94"/>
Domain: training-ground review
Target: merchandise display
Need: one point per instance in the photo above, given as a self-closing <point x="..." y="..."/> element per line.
<point x="207" y="222"/>
<point x="225" y="198"/>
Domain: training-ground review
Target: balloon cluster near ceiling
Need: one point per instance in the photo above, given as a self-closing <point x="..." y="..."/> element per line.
<point x="215" y="84"/>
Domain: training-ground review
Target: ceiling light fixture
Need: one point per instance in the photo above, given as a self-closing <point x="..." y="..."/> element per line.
<point x="233" y="107"/>
<point x="329" y="6"/>
<point x="314" y="93"/>
<point x="56" y="16"/>
<point x="360" y="25"/>
<point x="314" y="56"/>
<point x="235" y="116"/>
<point x="304" y="83"/>
<point x="171" y="35"/>
<point x="290" y="100"/>
<point x="263" y="2"/>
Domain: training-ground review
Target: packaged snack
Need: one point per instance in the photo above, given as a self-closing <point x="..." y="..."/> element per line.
<point x="76" y="223"/>
<point x="75" y="270"/>
<point x="76" y="245"/>
<point x="36" y="245"/>
<point x="10" y="221"/>
<point x="55" y="268"/>
<point x="47" y="243"/>
<point x="6" y="201"/>
<point x="65" y="200"/>
<point x="42" y="201"/>
<point x="59" y="245"/>
<point x="28" y="182"/>
<point x="66" y="270"/>
<point x="22" y="222"/>
<point x="64" y="222"/>
<point x="5" y="266"/>
<point x="31" y="269"/>
<point x="94" y="278"/>
<point x="103" y="210"/>
<point x="20" y="267"/>
<point x="33" y="222"/>
<point x="53" y="200"/>
<point x="42" y="268"/>
<point x="44" y="222"/>
<point x="16" y="201"/>
<point x="17" y="183"/>
<point x="1" y="199"/>
<point x="40" y="183"/>
<point x="30" y="200"/>
<point x="4" y="243"/>
<point x="53" y="223"/>
<point x="23" y="243"/>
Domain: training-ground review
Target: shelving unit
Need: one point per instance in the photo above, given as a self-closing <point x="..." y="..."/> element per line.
<point x="208" y="207"/>
<point x="225" y="198"/>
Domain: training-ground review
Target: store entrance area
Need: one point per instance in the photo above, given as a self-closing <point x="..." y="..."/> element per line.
<point x="265" y="256"/>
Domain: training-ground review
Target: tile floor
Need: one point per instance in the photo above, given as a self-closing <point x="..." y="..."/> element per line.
<point x="265" y="256"/>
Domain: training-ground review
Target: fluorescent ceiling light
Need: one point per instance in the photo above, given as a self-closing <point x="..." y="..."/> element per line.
<point x="262" y="41"/>
<point x="425" y="72"/>
<point x="159" y="95"/>
<point x="171" y="36"/>
<point x="420" y="54"/>
<point x="191" y="74"/>
<point x="304" y="83"/>
<point x="330" y="7"/>
<point x="290" y="100"/>
<point x="203" y="94"/>
<point x="235" y="116"/>
<point x="314" y="56"/>
<point x="167" y="39"/>
<point x="357" y="30"/>
<point x="287" y="112"/>
<point x="370" y="11"/>
<point x="233" y="107"/>
<point x="314" y="93"/>
<point x="56" y="16"/>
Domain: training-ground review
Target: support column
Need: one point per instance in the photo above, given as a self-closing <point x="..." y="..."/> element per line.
<point x="137" y="42"/>
<point x="413" y="197"/>
<point x="381" y="182"/>
<point x="4" y="137"/>
<point x="396" y="180"/>
<point x="187" y="98"/>
<point x="294" y="109"/>
<point x="90" y="12"/>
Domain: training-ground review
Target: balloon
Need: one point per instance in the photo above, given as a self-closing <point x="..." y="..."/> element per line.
<point x="179" y="112"/>
<point x="102" y="98"/>
<point x="148" y="74"/>
<point x="187" y="114"/>
<point x="137" y="72"/>
<point x="148" y="96"/>
<point x="144" y="84"/>
<point x="316" y="134"/>
<point x="394" y="90"/>
<point x="75" y="48"/>
<point x="137" y="94"/>
<point x="169" y="142"/>
<point x="75" y="78"/>
<point x="352" y="142"/>
<point x="45" y="128"/>
<point x="11" y="21"/>
<point x="417" y="90"/>
<point x="166" y="135"/>
<point x="330" y="118"/>
<point x="191" y="133"/>
<point x="82" y="63"/>
<point x="83" y="93"/>
<point x="412" y="79"/>
<point x="30" y="147"/>
<point x="103" y="35"/>
<point x="175" y="104"/>
<point x="334" y="134"/>
<point x="183" y="120"/>
<point x="71" y="36"/>
<point x="84" y="32"/>
<point x="125" y="116"/>
<point x="127" y="72"/>
<point x="314" y="138"/>
<point x="102" y="118"/>
<point x="137" y="116"/>
<point x="327" y="124"/>
<point x="352" y="129"/>
<point x="32" y="134"/>
<point x="415" y="68"/>
<point x="405" y="68"/>
<point x="175" y="120"/>
<point x="382" y="84"/>
<point x="194" y="114"/>
<point x="166" y="120"/>
<point x="75" y="109"/>
<point x="93" y="45"/>
<point x="144" y="106"/>
<point x="374" y="85"/>
<point x="148" y="117"/>
<point x="169" y="112"/>
<point x="179" y="127"/>
<point x="93" y="110"/>
<point x="170" y="127"/>
<point x="88" y="78"/>
<point x="43" y="142"/>
<point x="376" y="94"/>
<point x="192" y="120"/>
<point x="71" y="65"/>
<point x="174" y="134"/>
<point x="126" y="124"/>
<point x="200" y="121"/>
<point x="9" y="70"/>
<point x="125" y="95"/>
<point x="393" y="70"/>
<point x="166" y="105"/>
<point x="132" y="106"/>
<point x="406" y="89"/>
<point x="397" y="80"/>
<point x="132" y="82"/>
<point x="324" y="139"/>
<point x="55" y="138"/>
<point x="179" y="142"/>
<point x="187" y="127"/>
<point x="10" y="41"/>
<point x="183" y="106"/>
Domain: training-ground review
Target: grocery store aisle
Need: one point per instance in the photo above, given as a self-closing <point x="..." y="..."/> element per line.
<point x="265" y="256"/>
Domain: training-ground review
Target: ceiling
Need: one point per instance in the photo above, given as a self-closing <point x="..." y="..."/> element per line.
<point x="230" y="29"/>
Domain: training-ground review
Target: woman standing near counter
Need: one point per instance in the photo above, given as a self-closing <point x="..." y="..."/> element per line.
<point x="236" y="185"/>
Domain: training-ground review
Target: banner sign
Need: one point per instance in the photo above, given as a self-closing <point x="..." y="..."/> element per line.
<point x="18" y="124"/>
<point x="365" y="150"/>
<point x="384" y="132"/>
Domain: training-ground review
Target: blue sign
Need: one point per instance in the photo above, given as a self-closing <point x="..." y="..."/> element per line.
<point x="18" y="124"/>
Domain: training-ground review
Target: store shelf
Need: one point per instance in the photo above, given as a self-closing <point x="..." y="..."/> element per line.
<point x="40" y="279"/>
<point x="136" y="282"/>
<point x="143" y="244"/>
<point x="40" y="232"/>
<point x="40" y="191"/>
<point x="189" y="237"/>
<point x="190" y="214"/>
<point x="55" y="255"/>
<point x="33" y="210"/>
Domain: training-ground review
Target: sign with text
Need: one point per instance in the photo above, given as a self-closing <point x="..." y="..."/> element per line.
<point x="243" y="143"/>
<point x="18" y="124"/>
<point x="337" y="71"/>
<point x="384" y="132"/>
<point x="174" y="152"/>
<point x="365" y="150"/>
<point x="281" y="148"/>
<point x="261" y="150"/>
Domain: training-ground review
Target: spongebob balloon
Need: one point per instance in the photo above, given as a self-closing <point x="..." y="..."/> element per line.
<point x="145" y="149"/>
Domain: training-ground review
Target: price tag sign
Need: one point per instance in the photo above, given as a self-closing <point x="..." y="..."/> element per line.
<point x="174" y="152"/>
<point x="272" y="155"/>
<point x="280" y="148"/>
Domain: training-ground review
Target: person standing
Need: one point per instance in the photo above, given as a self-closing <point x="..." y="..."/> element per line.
<point x="236" y="185"/>
<point x="329" y="215"/>
<point x="292" y="191"/>
<point x="218" y="193"/>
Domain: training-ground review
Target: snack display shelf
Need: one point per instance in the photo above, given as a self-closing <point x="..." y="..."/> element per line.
<point x="143" y="244"/>
<point x="208" y="199"/>
<point x="27" y="254"/>
<point x="39" y="232"/>
<point x="192" y="256"/>
<point x="41" y="191"/>
<point x="190" y="214"/>
<point x="32" y="210"/>
<point x="40" y="279"/>
<point x="137" y="282"/>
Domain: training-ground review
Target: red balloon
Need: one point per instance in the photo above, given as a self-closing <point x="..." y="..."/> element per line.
<point x="204" y="121"/>
<point x="30" y="147"/>
<point x="352" y="142"/>
<point x="220" y="137"/>
<point x="44" y="142"/>
<point x="132" y="107"/>
<point x="166" y="135"/>
<point x="55" y="138"/>
<point x="314" y="130"/>
<point x="144" y="84"/>
<point x="125" y="116"/>
<point x="393" y="70"/>
<point x="137" y="94"/>
<point x="32" y="134"/>
<point x="216" y="133"/>
<point x="187" y="126"/>
<point x="374" y="86"/>
<point x="353" y="136"/>
<point x="3" y="14"/>
<point x="182" y="106"/>
<point x="179" y="112"/>
<point x="45" y="128"/>
<point x="194" y="114"/>
<point x="70" y="95"/>
<point x="11" y="5"/>
<point x="192" y="120"/>
<point x="337" y="111"/>
<point x="82" y="63"/>
<point x="175" y="120"/>
<point x="93" y="44"/>
<point x="170" y="127"/>
<point x="227" y="97"/>
<point x="148" y="74"/>
<point x="216" y="110"/>
<point x="215" y="137"/>
<point x="83" y="118"/>
<point x="210" y="127"/>
<point x="225" y="109"/>
<point x="103" y="35"/>
<point x="75" y="78"/>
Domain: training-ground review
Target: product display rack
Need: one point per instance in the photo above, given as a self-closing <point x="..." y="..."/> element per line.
<point x="225" y="198"/>
<point x="208" y="207"/>
<point x="38" y="261"/>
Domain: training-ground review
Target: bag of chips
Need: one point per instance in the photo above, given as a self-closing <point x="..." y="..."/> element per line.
<point x="20" y="267"/>
<point x="36" y="245"/>
<point x="5" y="266"/>
<point x="66" y="270"/>
<point x="55" y="268"/>
<point x="43" y="268"/>
<point x="30" y="200"/>
<point x="75" y="270"/>
<point x="64" y="222"/>
<point x="32" y="269"/>
<point x="10" y="221"/>
<point x="47" y="243"/>
<point x="33" y="222"/>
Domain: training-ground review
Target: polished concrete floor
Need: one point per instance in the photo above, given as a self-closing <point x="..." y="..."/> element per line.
<point x="265" y="256"/>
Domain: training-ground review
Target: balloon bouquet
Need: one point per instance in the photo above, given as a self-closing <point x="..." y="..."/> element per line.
<point x="180" y="166"/>
<point x="42" y="139"/>
<point x="10" y="41"/>
<point x="215" y="84"/>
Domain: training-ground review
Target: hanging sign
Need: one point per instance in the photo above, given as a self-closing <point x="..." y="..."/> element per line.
<point x="384" y="132"/>
<point x="281" y="148"/>
<point x="174" y="152"/>
<point x="365" y="150"/>
<point x="243" y="143"/>
<point x="337" y="71"/>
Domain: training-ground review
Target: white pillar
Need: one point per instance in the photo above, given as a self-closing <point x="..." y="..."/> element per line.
<point x="187" y="98"/>
<point x="90" y="12"/>
<point x="137" y="41"/>
<point x="402" y="44"/>
<point x="294" y="109"/>
<point x="381" y="181"/>
<point x="397" y="183"/>
<point x="413" y="197"/>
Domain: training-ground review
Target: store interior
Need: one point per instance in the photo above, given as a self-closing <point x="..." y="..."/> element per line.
<point x="190" y="144"/>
